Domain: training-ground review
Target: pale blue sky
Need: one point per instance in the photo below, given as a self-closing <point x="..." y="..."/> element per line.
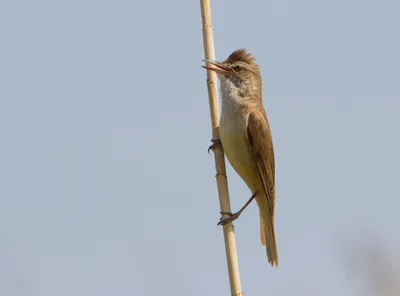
<point x="106" y="185"/>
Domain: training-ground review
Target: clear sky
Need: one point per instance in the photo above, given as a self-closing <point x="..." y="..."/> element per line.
<point x="106" y="184"/>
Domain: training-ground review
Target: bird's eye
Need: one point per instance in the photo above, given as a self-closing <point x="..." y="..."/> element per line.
<point x="237" y="68"/>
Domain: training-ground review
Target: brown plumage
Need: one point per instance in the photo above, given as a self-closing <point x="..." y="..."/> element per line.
<point x="262" y="150"/>
<point x="246" y="138"/>
<point x="240" y="55"/>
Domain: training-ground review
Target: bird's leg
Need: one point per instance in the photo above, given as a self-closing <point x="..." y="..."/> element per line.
<point x="234" y="216"/>
<point x="216" y="142"/>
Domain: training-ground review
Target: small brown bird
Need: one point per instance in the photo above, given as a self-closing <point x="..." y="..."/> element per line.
<point x="246" y="138"/>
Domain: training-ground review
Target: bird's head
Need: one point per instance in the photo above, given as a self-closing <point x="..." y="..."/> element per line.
<point x="238" y="71"/>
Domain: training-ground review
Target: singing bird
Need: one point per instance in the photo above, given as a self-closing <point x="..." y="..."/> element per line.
<point x="246" y="138"/>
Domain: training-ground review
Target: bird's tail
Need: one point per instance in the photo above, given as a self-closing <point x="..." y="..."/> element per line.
<point x="267" y="230"/>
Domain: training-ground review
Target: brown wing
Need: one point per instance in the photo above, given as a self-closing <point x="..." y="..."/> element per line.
<point x="261" y="147"/>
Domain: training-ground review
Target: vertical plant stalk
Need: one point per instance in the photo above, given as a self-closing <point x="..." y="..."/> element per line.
<point x="222" y="183"/>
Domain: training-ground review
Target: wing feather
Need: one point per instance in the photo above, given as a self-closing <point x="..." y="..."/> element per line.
<point x="261" y="147"/>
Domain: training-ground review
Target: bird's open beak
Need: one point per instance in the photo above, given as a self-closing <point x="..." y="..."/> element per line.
<point x="217" y="67"/>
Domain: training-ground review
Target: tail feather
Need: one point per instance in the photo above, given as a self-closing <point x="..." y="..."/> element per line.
<point x="267" y="231"/>
<point x="262" y="233"/>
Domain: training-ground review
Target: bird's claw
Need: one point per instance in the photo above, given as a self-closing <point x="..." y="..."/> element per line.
<point x="216" y="142"/>
<point x="232" y="217"/>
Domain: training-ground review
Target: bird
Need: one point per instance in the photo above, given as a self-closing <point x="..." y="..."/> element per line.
<point x="246" y="139"/>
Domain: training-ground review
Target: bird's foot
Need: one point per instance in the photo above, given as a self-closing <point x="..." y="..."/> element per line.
<point x="215" y="144"/>
<point x="232" y="217"/>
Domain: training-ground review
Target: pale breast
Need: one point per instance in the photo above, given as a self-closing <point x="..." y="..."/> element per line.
<point x="233" y="133"/>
